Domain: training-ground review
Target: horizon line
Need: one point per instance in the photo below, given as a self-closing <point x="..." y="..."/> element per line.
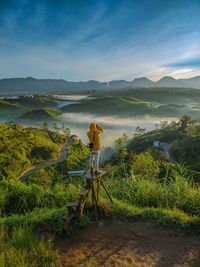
<point x="154" y="81"/>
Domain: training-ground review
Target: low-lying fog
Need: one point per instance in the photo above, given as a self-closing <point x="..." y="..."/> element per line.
<point x="113" y="126"/>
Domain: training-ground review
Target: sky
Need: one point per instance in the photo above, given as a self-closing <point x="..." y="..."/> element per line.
<point x="80" y="40"/>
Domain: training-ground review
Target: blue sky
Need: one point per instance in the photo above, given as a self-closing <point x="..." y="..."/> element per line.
<point x="103" y="39"/>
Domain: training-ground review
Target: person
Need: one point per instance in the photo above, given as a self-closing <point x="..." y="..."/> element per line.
<point x="94" y="135"/>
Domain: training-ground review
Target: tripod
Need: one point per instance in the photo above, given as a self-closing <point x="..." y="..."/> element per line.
<point x="93" y="186"/>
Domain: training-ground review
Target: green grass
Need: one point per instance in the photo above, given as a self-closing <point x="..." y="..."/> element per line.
<point x="173" y="218"/>
<point x="174" y="193"/>
<point x="21" y="249"/>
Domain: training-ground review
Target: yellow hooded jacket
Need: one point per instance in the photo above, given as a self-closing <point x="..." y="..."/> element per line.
<point x="95" y="134"/>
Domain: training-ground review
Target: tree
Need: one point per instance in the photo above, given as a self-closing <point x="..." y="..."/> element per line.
<point x="121" y="151"/>
<point x="139" y="131"/>
<point x="164" y="124"/>
<point x="45" y="126"/>
<point x="184" y="122"/>
<point x="55" y="127"/>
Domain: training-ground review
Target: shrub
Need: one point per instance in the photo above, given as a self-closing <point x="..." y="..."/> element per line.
<point x="145" y="166"/>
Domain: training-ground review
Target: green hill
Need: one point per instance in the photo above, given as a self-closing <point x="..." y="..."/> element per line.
<point x="112" y="105"/>
<point x="140" y="104"/>
<point x="45" y="114"/>
<point x="6" y="104"/>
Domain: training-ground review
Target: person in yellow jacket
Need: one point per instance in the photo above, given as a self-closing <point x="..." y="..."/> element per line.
<point x="94" y="135"/>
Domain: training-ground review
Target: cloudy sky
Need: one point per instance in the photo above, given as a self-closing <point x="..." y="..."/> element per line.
<point x="99" y="39"/>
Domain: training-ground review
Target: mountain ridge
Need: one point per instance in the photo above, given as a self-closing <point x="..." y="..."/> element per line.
<point x="30" y="84"/>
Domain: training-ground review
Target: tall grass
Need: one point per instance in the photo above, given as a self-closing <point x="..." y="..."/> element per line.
<point x="21" y="249"/>
<point x="176" y="192"/>
<point x="19" y="198"/>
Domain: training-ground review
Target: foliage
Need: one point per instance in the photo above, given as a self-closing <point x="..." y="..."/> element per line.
<point x="145" y="166"/>
<point x="19" y="198"/>
<point x="78" y="155"/>
<point x="176" y="191"/>
<point x="141" y="180"/>
<point x="20" y="148"/>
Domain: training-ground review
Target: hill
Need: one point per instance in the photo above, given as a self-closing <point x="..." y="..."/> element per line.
<point x="45" y="114"/>
<point x="109" y="105"/>
<point x="151" y="102"/>
<point x="4" y="104"/>
<point x="23" y="147"/>
<point x="12" y="109"/>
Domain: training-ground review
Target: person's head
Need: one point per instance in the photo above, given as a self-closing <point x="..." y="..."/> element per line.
<point x="93" y="127"/>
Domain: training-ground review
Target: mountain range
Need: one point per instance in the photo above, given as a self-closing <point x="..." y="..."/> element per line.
<point x="32" y="85"/>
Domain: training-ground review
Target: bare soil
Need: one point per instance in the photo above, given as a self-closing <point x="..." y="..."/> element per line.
<point x="119" y="244"/>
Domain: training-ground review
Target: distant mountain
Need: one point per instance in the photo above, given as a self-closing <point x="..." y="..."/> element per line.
<point x="192" y="82"/>
<point x="32" y="85"/>
<point x="142" y="82"/>
<point x="168" y="81"/>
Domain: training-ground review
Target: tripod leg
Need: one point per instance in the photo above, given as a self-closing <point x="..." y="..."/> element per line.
<point x="82" y="203"/>
<point x="94" y="201"/>
<point x="106" y="190"/>
<point x="98" y="187"/>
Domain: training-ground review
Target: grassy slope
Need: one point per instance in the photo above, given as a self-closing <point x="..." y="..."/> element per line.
<point x="111" y="106"/>
<point x="160" y="95"/>
<point x="45" y="114"/>
<point x="7" y="104"/>
<point x="152" y="102"/>
<point x="13" y="108"/>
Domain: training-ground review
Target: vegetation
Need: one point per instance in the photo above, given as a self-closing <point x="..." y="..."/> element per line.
<point x="21" y="248"/>
<point x="20" y="148"/>
<point x="12" y="109"/>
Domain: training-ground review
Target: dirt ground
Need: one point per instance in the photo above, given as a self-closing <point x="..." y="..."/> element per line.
<point x="118" y="243"/>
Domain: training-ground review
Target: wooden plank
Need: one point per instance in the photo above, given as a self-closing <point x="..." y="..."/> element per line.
<point x="68" y="217"/>
<point x="72" y="204"/>
<point x="76" y="173"/>
<point x="98" y="175"/>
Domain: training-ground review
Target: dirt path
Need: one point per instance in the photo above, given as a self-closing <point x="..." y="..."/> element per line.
<point x="129" y="244"/>
<point x="63" y="154"/>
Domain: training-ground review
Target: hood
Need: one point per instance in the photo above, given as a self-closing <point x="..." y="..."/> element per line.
<point x="93" y="127"/>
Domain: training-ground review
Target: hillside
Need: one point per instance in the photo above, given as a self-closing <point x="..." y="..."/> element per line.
<point x="111" y="106"/>
<point x="160" y="95"/>
<point x="150" y="102"/>
<point x="150" y="195"/>
<point x="23" y="147"/>
<point x="45" y="114"/>
<point x="12" y="109"/>
<point x="4" y="104"/>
